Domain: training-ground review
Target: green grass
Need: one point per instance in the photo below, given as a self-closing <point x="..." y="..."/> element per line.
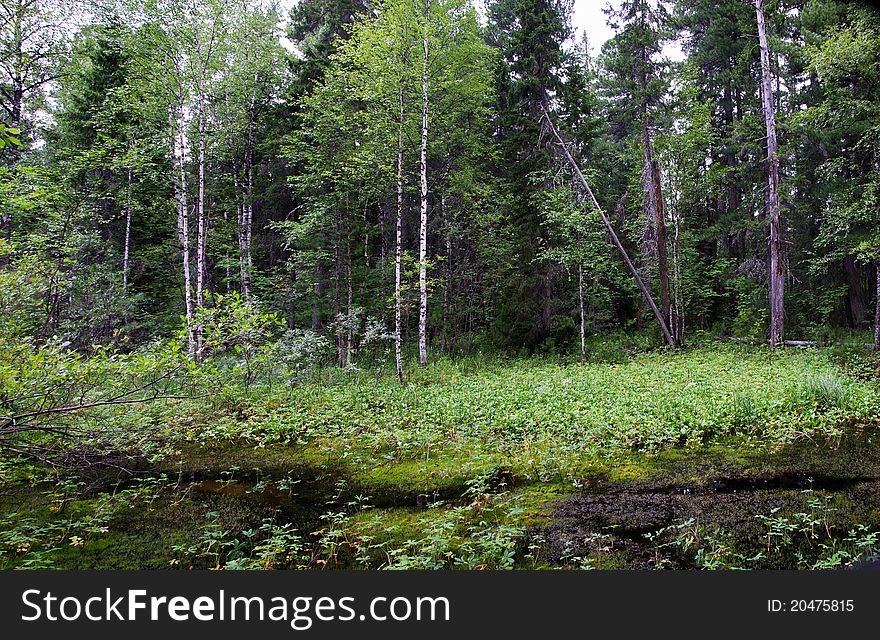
<point x="461" y="467"/>
<point x="546" y="420"/>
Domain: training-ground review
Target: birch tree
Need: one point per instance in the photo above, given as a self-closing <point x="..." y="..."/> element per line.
<point x="163" y="62"/>
<point x="248" y="84"/>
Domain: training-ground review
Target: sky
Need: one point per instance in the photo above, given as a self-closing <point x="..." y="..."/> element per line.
<point x="590" y="19"/>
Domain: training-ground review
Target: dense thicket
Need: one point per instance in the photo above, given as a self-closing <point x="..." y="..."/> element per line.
<point x="381" y="173"/>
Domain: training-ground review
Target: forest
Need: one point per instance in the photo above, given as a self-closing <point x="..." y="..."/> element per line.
<point x="439" y="284"/>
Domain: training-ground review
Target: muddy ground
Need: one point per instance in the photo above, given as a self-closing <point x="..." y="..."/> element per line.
<point x="676" y="509"/>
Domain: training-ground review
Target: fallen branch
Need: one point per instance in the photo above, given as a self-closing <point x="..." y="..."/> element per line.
<point x="12" y="420"/>
<point x="796" y="343"/>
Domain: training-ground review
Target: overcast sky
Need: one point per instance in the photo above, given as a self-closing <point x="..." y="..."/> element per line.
<point x="590" y="19"/>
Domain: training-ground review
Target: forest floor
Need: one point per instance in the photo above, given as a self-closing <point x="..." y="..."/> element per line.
<point x="716" y="457"/>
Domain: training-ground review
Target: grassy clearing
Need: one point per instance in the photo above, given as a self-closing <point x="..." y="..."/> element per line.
<point x="462" y="468"/>
<point x="548" y="421"/>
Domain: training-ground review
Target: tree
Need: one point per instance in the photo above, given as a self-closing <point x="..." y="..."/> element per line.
<point x="692" y="182"/>
<point x="108" y="133"/>
<point x="847" y="64"/>
<point x="718" y="39"/>
<point x="529" y="37"/>
<point x="248" y="85"/>
<point x="33" y="45"/>
<point x="34" y="41"/>
<point x="573" y="237"/>
<point x="362" y="93"/>
<point x="776" y="269"/>
<point x="637" y="85"/>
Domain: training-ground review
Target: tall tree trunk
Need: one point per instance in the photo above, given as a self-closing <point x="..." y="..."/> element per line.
<point x="447" y="287"/>
<point x="858" y="308"/>
<point x="877" y="300"/>
<point x="397" y="243"/>
<point x="657" y="214"/>
<point x="877" y="311"/>
<point x="349" y="338"/>
<point x="292" y="298"/>
<point x="248" y="207"/>
<point x="776" y="272"/>
<point x="178" y="150"/>
<point x="316" y="301"/>
<point x="677" y="328"/>
<point x="226" y="257"/>
<point x="201" y="222"/>
<point x="340" y="336"/>
<point x="240" y="196"/>
<point x="654" y="208"/>
<point x="423" y="220"/>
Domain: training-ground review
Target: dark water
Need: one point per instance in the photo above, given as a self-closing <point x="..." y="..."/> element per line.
<point x="697" y="497"/>
<point x="706" y="502"/>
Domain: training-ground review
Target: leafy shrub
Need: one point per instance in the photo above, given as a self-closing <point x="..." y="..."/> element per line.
<point x="301" y="351"/>
<point x="238" y="327"/>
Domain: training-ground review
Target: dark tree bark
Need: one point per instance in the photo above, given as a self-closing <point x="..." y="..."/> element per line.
<point x="858" y="307"/>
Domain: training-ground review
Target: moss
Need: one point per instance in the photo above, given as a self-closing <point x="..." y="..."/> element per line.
<point x="210" y="461"/>
<point x="630" y="471"/>
<point x="538" y="502"/>
<point x="637" y="492"/>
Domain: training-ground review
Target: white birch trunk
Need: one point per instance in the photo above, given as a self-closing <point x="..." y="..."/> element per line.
<point x="127" y="244"/>
<point x="201" y="225"/>
<point x="877" y="311"/>
<point x="877" y="285"/>
<point x="581" y="306"/>
<point x="423" y="221"/>
<point x="349" y="338"/>
<point x="178" y="160"/>
<point x="397" y="245"/>
<point x="248" y="208"/>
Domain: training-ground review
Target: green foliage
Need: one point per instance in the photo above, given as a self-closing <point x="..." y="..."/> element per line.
<point x="60" y="406"/>
<point x="238" y="328"/>
<point x="36" y="540"/>
<point x="540" y="418"/>
<point x="270" y="546"/>
<point x="283" y="166"/>
<point x="8" y="136"/>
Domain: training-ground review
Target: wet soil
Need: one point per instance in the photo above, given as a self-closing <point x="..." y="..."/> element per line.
<point x="687" y="501"/>
<point x="616" y="520"/>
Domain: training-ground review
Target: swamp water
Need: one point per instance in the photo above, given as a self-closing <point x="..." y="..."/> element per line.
<point x="808" y="505"/>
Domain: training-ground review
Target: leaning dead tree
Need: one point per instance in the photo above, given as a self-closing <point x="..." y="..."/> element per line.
<point x="614" y="239"/>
